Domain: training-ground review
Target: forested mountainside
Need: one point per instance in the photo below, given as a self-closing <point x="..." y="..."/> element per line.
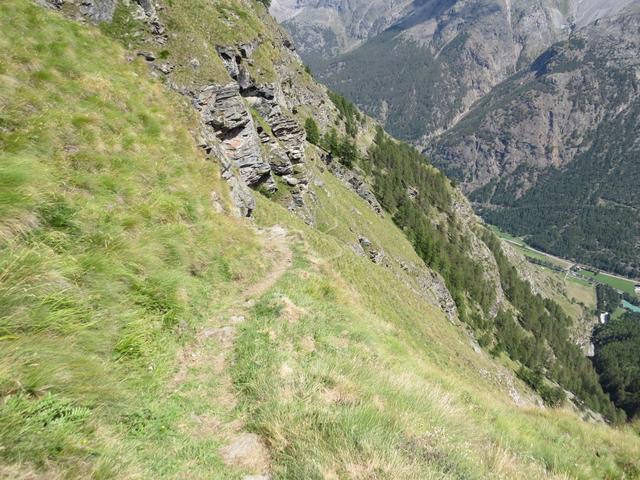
<point x="425" y="63"/>
<point x="552" y="153"/>
<point x="214" y="268"/>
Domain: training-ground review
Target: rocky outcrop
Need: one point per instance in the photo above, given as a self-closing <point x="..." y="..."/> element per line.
<point x="352" y="180"/>
<point x="433" y="285"/>
<point x="421" y="280"/>
<point x="375" y="254"/>
<point x="267" y="100"/>
<point x="271" y="146"/>
<point x="99" y="11"/>
<point x="223" y="110"/>
<point x="96" y="11"/>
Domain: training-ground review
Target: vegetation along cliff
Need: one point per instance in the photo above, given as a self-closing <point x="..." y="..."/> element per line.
<point x="212" y="267"/>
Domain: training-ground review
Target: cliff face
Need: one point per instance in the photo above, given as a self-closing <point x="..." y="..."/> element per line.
<point x="542" y="116"/>
<point x="561" y="135"/>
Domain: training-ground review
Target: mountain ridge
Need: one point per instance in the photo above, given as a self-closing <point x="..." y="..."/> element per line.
<point x="500" y="37"/>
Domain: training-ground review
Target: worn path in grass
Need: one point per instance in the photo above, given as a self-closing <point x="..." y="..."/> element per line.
<point x="210" y="356"/>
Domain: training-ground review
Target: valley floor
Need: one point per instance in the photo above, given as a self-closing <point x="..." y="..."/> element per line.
<point x="577" y="272"/>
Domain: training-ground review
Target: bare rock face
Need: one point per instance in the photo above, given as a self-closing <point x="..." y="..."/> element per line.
<point x="98" y="10"/>
<point x="261" y="149"/>
<point x="223" y="110"/>
<point x="267" y="100"/>
<point x="433" y="285"/>
<point x="565" y="94"/>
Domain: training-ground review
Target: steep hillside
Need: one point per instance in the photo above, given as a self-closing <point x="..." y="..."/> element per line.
<point x="441" y="61"/>
<point x="552" y="152"/>
<point x="150" y="330"/>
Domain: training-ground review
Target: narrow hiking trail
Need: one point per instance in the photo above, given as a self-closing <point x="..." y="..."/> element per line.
<point x="204" y="367"/>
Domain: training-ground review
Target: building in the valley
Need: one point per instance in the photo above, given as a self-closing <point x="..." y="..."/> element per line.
<point x="604" y="317"/>
<point x="637" y="288"/>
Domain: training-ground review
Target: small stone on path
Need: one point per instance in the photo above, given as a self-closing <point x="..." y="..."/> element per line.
<point x="224" y="334"/>
<point x="248" y="451"/>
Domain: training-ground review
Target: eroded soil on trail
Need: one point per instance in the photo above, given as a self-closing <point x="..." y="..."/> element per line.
<point x="209" y="357"/>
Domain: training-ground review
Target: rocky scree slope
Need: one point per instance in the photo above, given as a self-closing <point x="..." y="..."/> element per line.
<point x="552" y="152"/>
<point x="126" y="249"/>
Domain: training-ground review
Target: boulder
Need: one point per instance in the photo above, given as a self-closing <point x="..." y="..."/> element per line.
<point x="98" y="10"/>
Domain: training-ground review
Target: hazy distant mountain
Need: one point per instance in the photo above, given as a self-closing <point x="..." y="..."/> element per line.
<point x="419" y="65"/>
<point x="588" y="11"/>
<point x="324" y="29"/>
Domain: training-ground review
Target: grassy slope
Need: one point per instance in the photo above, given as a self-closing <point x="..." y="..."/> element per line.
<point x="111" y="253"/>
<point x="112" y="258"/>
<point x="202" y="25"/>
<point x="375" y="382"/>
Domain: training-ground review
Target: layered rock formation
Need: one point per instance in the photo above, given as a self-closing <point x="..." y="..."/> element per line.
<point x="246" y="123"/>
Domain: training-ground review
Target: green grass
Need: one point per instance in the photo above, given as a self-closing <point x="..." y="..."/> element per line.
<point x="619" y="312"/>
<point x="198" y="27"/>
<point x="579" y="281"/>
<point x="506" y="235"/>
<point x="617" y="283"/>
<point x="523" y="248"/>
<point x="366" y="380"/>
<point x="110" y="256"/>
